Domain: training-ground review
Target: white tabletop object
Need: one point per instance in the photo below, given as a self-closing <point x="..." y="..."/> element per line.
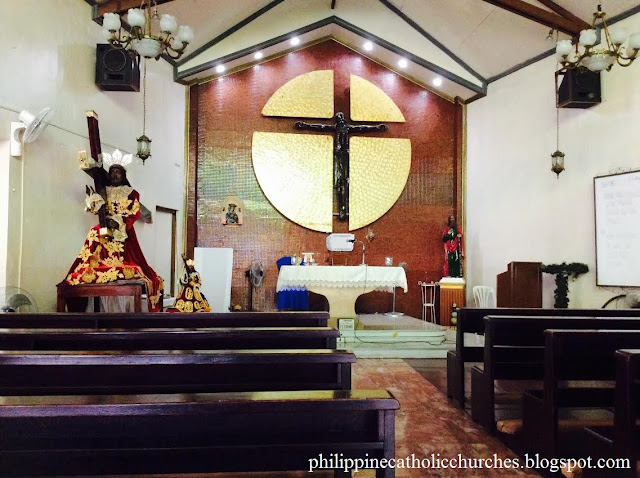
<point x="362" y="276"/>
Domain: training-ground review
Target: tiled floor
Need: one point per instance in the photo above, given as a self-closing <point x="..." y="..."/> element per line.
<point x="427" y="423"/>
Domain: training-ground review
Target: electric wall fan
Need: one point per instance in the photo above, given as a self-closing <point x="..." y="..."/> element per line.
<point x="28" y="129"/>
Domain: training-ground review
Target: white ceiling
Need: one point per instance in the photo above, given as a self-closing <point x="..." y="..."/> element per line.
<point x="468" y="43"/>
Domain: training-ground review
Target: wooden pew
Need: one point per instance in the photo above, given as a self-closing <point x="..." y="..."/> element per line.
<point x="514" y="350"/>
<point x="199" y="433"/>
<point x="140" y="321"/>
<point x="471" y="321"/>
<point x="572" y="356"/>
<point x="170" y="339"/>
<point x="59" y="373"/>
<point x="621" y="439"/>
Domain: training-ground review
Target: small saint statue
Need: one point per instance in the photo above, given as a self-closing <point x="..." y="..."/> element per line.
<point x="453" y="249"/>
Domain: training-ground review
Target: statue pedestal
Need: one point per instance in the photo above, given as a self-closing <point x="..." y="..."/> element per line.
<point x="133" y="288"/>
<point x="452" y="290"/>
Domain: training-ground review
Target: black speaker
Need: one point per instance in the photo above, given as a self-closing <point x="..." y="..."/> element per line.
<point x="579" y="88"/>
<point x="116" y="70"/>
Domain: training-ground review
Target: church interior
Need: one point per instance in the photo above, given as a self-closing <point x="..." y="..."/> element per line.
<point x="353" y="136"/>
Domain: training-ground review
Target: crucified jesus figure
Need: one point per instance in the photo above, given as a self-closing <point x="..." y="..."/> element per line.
<point x="341" y="130"/>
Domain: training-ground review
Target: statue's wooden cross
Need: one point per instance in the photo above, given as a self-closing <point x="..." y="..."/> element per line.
<point x="341" y="130"/>
<point x="99" y="175"/>
<point x="97" y="172"/>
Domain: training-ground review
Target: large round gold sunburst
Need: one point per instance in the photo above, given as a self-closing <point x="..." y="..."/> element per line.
<point x="295" y="171"/>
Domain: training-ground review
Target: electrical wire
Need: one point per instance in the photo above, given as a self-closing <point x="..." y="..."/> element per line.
<point x="20" y="251"/>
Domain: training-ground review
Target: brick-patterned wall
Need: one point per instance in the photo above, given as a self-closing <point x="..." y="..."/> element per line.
<point x="225" y="113"/>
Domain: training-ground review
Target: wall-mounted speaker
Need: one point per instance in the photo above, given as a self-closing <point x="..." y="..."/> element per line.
<point x="116" y="70"/>
<point x="579" y="88"/>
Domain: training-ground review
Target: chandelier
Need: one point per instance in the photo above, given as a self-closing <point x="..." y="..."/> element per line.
<point x="604" y="56"/>
<point x="150" y="35"/>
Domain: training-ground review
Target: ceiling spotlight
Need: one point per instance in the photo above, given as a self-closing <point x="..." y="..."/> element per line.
<point x="295" y="41"/>
<point x="437" y="81"/>
<point x="403" y="63"/>
<point x="549" y="37"/>
<point x="258" y="55"/>
<point x="368" y="46"/>
<point x="220" y="69"/>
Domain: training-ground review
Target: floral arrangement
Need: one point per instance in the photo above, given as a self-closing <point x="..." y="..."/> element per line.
<point x="563" y="272"/>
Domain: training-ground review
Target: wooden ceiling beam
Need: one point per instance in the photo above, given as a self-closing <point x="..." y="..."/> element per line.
<point x="563" y="12"/>
<point x="122" y="6"/>
<point x="544" y="17"/>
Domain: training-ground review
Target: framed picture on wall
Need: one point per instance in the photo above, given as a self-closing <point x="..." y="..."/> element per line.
<point x="232" y="208"/>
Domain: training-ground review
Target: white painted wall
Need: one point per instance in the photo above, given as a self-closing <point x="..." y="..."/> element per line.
<point x="4" y="207"/>
<point x="516" y="208"/>
<point x="49" y="60"/>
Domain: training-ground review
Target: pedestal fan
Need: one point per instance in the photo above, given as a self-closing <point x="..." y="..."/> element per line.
<point x="255" y="274"/>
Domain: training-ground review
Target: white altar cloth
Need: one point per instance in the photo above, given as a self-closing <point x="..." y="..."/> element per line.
<point x="341" y="285"/>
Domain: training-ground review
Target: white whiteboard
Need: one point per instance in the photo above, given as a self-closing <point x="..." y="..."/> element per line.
<point x="617" y="207"/>
<point x="215" y="265"/>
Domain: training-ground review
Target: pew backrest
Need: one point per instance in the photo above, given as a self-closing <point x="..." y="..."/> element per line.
<point x="514" y="346"/>
<point x="471" y="320"/>
<point x="179" y="320"/>
<point x="579" y="356"/>
<point x="54" y="373"/>
<point x="169" y="339"/>
<point x="201" y="433"/>
<point x="584" y="354"/>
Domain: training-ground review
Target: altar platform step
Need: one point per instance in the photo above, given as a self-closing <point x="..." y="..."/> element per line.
<point x="381" y="336"/>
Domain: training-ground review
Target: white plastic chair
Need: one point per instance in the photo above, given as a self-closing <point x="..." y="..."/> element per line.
<point x="484" y="296"/>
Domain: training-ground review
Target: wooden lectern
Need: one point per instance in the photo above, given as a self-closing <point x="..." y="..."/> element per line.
<point x="521" y="285"/>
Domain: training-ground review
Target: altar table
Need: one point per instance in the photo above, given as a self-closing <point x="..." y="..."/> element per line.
<point x="341" y="285"/>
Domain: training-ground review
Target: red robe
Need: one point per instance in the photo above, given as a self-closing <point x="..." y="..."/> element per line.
<point x="106" y="258"/>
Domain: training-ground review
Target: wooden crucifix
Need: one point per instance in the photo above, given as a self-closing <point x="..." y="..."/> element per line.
<point x="341" y="130"/>
<point x="97" y="172"/>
